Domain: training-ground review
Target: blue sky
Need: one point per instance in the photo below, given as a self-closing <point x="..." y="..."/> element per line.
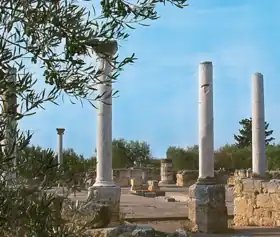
<point x="158" y="96"/>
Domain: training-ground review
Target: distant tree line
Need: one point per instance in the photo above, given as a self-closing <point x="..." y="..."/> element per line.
<point x="136" y="153"/>
<point x="236" y="156"/>
<point x="125" y="154"/>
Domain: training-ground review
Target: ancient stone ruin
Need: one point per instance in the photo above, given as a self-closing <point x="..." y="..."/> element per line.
<point x="256" y="191"/>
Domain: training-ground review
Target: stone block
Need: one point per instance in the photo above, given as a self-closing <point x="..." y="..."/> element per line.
<point x="186" y="178"/>
<point x="207" y="208"/>
<point x="264" y="201"/>
<point x="109" y="196"/>
<point x="252" y="185"/>
<point x="145" y="186"/>
<point x="92" y="213"/>
<point x="251" y="221"/>
<point x="238" y="188"/>
<point x="231" y="180"/>
<point x="241" y="173"/>
<point x="262" y="212"/>
<point x="266" y="221"/>
<point x="123" y="182"/>
<point x="153" y="185"/>
<point x="134" y="182"/>
<point x="275" y="202"/>
<point x="273" y="186"/>
<point x="242" y="206"/>
<point x="240" y="221"/>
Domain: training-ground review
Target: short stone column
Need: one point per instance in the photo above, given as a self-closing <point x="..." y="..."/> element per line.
<point x="60" y="132"/>
<point x="9" y="99"/>
<point x="166" y="173"/>
<point x="258" y="126"/>
<point x="207" y="206"/>
<point x="105" y="188"/>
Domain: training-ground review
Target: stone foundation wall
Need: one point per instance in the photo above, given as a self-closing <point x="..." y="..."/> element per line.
<point x="239" y="174"/>
<point x="257" y="202"/>
<point x="187" y="178"/>
<point x="122" y="177"/>
<point x="247" y="173"/>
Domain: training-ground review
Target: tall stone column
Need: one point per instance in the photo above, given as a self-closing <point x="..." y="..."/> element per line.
<point x="104" y="187"/>
<point x="9" y="111"/>
<point x="60" y="132"/>
<point x="258" y="126"/>
<point x="166" y="173"/>
<point x="207" y="206"/>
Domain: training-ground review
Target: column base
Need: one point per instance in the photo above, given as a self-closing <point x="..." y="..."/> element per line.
<point x="207" y="207"/>
<point x="207" y="180"/>
<point x="108" y="195"/>
<point x="104" y="184"/>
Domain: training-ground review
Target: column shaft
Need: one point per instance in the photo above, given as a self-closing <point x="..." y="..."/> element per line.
<point x="258" y="125"/>
<point x="104" y="128"/>
<point x="60" y="132"/>
<point x="206" y="126"/>
<point x="166" y="172"/>
<point x="60" y="149"/>
<point x="207" y="209"/>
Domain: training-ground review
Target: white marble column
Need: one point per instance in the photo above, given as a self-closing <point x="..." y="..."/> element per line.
<point x="258" y="125"/>
<point x="60" y="132"/>
<point x="206" y="122"/>
<point x="104" y="175"/>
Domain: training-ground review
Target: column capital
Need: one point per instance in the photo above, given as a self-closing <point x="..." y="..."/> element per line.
<point x="107" y="47"/>
<point x="60" y="131"/>
<point x="257" y="74"/>
<point x="206" y="62"/>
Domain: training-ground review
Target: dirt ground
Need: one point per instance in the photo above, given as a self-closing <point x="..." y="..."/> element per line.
<point x="133" y="206"/>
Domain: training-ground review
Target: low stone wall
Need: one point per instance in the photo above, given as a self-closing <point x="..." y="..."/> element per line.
<point x="122" y="177"/>
<point x="186" y="178"/>
<point x="247" y="173"/>
<point x="257" y="202"/>
<point x="239" y="174"/>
